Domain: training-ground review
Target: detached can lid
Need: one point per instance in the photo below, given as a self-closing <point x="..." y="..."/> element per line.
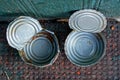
<point x="21" y="30"/>
<point x="88" y="20"/>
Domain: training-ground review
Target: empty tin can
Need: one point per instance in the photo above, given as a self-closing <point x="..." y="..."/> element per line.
<point x="84" y="49"/>
<point x="36" y="45"/>
<point x="42" y="50"/>
<point x="21" y="30"/>
<point x="88" y="20"/>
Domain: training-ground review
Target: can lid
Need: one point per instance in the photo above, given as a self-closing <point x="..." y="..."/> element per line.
<point x="43" y="49"/>
<point x="88" y="20"/>
<point x="21" y="30"/>
<point x="84" y="48"/>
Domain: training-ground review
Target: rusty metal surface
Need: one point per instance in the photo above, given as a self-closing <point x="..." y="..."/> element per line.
<point x="13" y="68"/>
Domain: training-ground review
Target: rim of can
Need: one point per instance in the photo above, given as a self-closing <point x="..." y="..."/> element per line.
<point x="88" y="20"/>
<point x="84" y="64"/>
<point x="50" y="60"/>
<point x="28" y="61"/>
<point x="20" y="30"/>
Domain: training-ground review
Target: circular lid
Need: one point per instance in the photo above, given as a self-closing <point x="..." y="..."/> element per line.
<point x="84" y="48"/>
<point x="21" y="30"/>
<point x="88" y="20"/>
<point x="43" y="49"/>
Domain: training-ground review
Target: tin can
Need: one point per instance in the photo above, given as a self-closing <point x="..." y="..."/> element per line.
<point x="85" y="49"/>
<point x="42" y="50"/>
<point x="21" y="30"/>
<point x="36" y="45"/>
<point x="88" y="20"/>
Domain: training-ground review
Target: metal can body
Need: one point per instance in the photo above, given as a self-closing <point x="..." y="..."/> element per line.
<point x="42" y="50"/>
<point x="84" y="49"/>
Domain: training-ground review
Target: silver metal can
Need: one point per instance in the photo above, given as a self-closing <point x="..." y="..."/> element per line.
<point x="21" y="30"/>
<point x="88" y="20"/>
<point x="85" y="49"/>
<point x="36" y="45"/>
<point x="42" y="50"/>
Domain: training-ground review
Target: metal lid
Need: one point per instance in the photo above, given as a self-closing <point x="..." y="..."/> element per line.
<point x="21" y="30"/>
<point x="88" y="20"/>
<point x="43" y="49"/>
<point x="84" y="48"/>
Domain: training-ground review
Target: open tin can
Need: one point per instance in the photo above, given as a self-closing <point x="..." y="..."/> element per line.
<point x="85" y="45"/>
<point x="84" y="49"/>
<point x="42" y="50"/>
<point x="36" y="45"/>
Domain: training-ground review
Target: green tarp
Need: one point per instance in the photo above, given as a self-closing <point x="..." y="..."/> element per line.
<point x="49" y="9"/>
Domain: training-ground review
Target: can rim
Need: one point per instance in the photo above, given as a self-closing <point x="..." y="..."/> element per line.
<point x="103" y="53"/>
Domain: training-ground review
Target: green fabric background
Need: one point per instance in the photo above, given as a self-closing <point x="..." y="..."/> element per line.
<point x="49" y="9"/>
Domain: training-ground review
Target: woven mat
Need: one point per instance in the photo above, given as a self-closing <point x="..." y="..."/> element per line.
<point x="13" y="68"/>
